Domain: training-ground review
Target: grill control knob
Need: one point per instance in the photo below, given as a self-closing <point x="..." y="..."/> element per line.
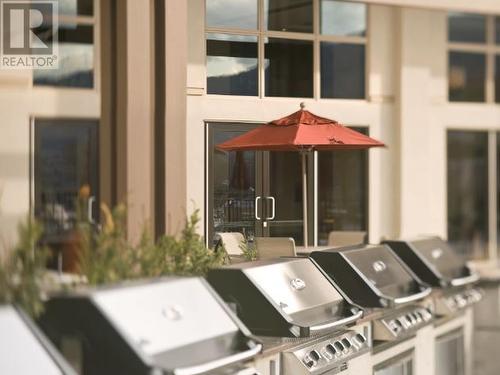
<point x="314" y="354"/>
<point x="360" y="338"/>
<point x="338" y="345"/>
<point x="331" y="349"/>
<point x="346" y="342"/>
<point x="309" y="363"/>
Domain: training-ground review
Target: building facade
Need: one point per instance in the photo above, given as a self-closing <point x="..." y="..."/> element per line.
<point x="150" y="87"/>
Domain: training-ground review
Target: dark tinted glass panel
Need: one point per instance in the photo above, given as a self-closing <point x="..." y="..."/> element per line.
<point x="498" y="192"/>
<point x="76" y="59"/>
<point x="342" y="70"/>
<point x="468" y="192"/>
<point x="241" y="14"/>
<point x="464" y="27"/>
<point x="497" y="78"/>
<point x="232" y="64"/>
<point x="342" y="193"/>
<point x="66" y="163"/>
<point x="289" y="15"/>
<point x="76" y="7"/>
<point x="232" y="181"/>
<point x="497" y="30"/>
<point x="343" y="18"/>
<point x="289" y="68"/>
<point x="466" y="77"/>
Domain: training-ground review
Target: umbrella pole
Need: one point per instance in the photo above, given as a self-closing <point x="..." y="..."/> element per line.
<point x="304" y="197"/>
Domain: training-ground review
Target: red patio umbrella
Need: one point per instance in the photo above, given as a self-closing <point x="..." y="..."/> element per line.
<point x="301" y="131"/>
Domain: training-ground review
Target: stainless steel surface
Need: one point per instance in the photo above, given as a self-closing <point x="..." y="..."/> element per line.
<point x="382" y="269"/>
<point x="456" y="300"/>
<point x="257" y="199"/>
<point x="328" y="355"/>
<point x="180" y="308"/>
<point x="273" y="208"/>
<point x="400" y="365"/>
<point x="279" y="279"/>
<point x="338" y="323"/>
<point x="414" y="297"/>
<point x="461" y="281"/>
<point x="450" y="353"/>
<point x="218" y="363"/>
<point x="401" y="323"/>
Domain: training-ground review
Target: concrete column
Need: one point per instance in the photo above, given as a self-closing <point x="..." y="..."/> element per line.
<point x="134" y="114"/>
<point x="176" y="46"/>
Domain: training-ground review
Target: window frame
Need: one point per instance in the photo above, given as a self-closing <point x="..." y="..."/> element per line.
<point x="84" y="20"/>
<point x="490" y="49"/>
<point x="316" y="37"/>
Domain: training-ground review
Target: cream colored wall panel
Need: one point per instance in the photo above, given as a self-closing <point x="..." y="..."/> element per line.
<point x="479" y="6"/>
<point x="196" y="46"/>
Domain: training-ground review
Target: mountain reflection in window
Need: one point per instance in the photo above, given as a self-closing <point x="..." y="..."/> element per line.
<point x="232" y="65"/>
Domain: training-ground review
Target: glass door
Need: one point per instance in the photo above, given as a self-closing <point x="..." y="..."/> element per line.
<point x="66" y="181"/>
<point x="450" y="354"/>
<point x="400" y="365"/>
<point x="234" y="185"/>
<point x="282" y="178"/>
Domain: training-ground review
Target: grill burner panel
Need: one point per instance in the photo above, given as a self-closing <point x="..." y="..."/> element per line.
<point x="326" y="354"/>
<point x="452" y="303"/>
<point x="402" y="323"/>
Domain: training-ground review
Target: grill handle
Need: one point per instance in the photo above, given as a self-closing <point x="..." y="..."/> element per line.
<point x="414" y="297"/>
<point x="337" y="323"/>
<point x="209" y="366"/>
<point x="465" y="280"/>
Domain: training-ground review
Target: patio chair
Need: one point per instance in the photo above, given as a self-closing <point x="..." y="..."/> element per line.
<point x="275" y="247"/>
<point x="231" y="242"/>
<point x="346" y="238"/>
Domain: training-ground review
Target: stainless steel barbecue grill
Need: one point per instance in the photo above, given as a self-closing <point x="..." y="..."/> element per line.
<point x="435" y="262"/>
<point x="374" y="278"/>
<point x="170" y="326"/>
<point x="292" y="297"/>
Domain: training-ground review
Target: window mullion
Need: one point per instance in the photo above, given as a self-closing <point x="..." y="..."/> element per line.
<point x="492" y="196"/>
<point x="316" y="51"/>
<point x="490" y="60"/>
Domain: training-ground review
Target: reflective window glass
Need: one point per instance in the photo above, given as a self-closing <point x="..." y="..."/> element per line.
<point x="466" y="76"/>
<point x="343" y="193"/>
<point x="76" y="7"/>
<point x="342" y="70"/>
<point x="343" y="18"/>
<point x="241" y="14"/>
<point x="467" y="155"/>
<point x="289" y="68"/>
<point x="497" y="30"/>
<point x="76" y="59"/>
<point x="289" y="15"/>
<point x="232" y="64"/>
<point x="466" y="27"/>
<point x="497" y="78"/>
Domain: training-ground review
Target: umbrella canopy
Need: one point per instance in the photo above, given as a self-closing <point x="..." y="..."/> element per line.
<point x="301" y="131"/>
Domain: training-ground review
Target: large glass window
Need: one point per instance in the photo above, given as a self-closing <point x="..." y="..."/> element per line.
<point x="289" y="67"/>
<point x="468" y="192"/>
<point x="474" y="51"/>
<point x="66" y="170"/>
<point x="232" y="64"/>
<point x="292" y="42"/>
<point x="76" y="58"/>
<point x="342" y="193"/>
<point x="467" y="74"/>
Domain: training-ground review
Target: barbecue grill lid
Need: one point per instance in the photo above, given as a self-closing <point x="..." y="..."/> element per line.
<point x="370" y="271"/>
<point x="273" y="294"/>
<point x="432" y="259"/>
<point x="169" y="323"/>
<point x="24" y="349"/>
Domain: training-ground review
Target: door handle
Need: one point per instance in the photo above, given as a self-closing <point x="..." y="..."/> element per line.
<point x="257" y="199"/>
<point x="89" y="209"/>
<point x="273" y="208"/>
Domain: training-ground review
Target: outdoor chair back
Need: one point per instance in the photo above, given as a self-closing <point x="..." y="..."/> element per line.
<point x="275" y="247"/>
<point x="231" y="242"/>
<point x="346" y="238"/>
